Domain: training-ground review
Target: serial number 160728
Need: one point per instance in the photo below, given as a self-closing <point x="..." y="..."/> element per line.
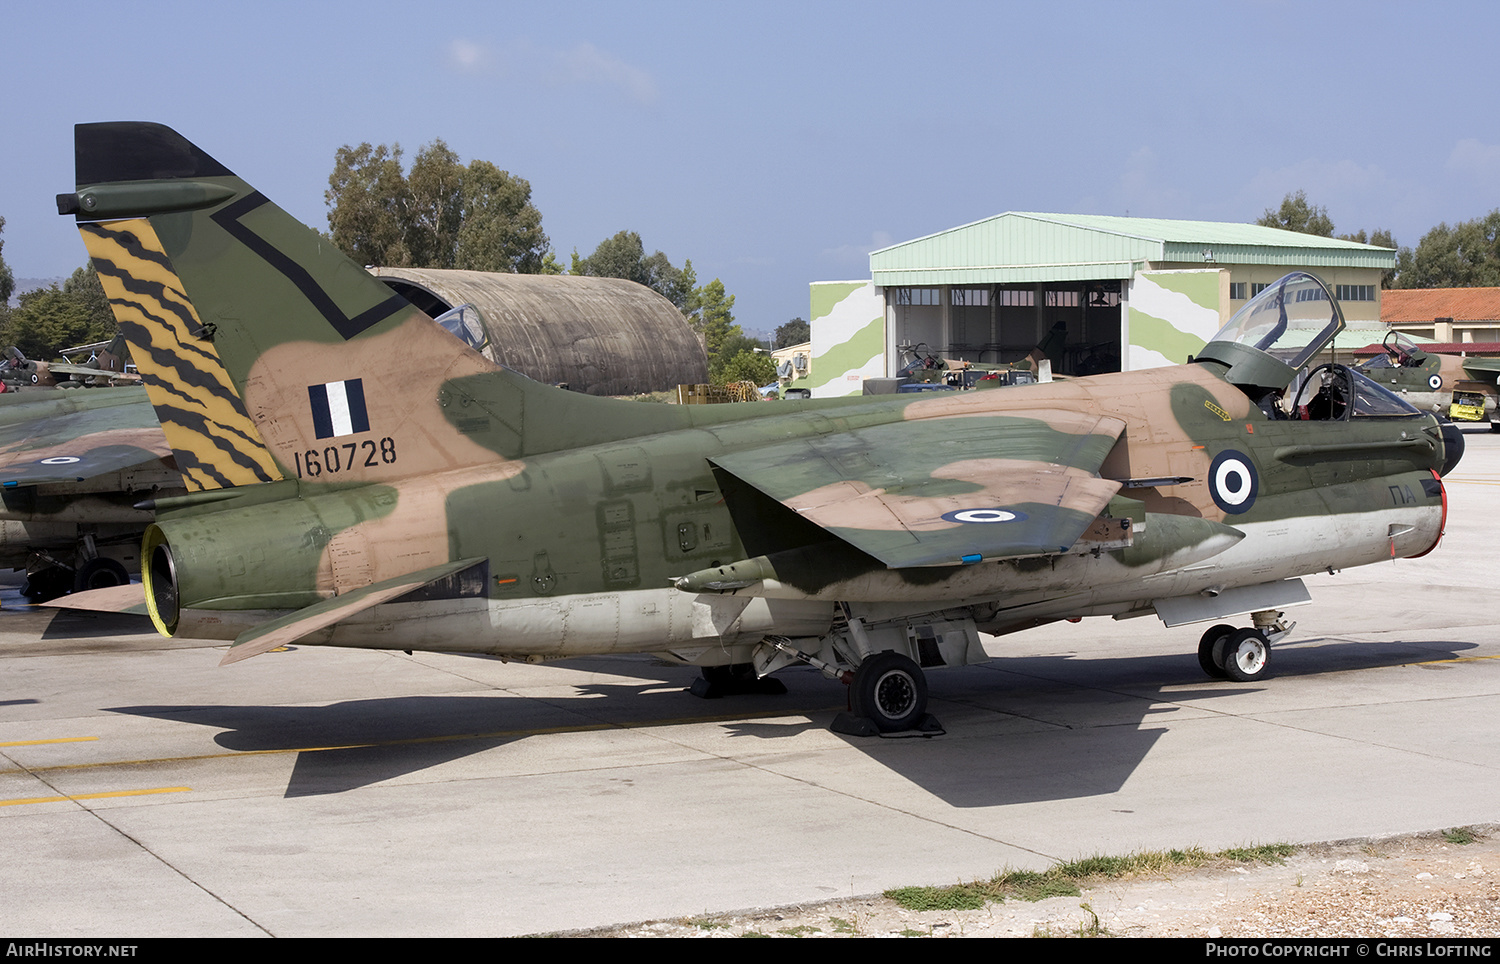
<point x="367" y="453"/>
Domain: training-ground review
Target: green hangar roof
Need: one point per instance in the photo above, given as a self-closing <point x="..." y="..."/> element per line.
<point x="1018" y="247"/>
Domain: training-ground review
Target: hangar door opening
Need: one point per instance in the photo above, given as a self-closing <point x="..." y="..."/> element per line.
<point x="1076" y="324"/>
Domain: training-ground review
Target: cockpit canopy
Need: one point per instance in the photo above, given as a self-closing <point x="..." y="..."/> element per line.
<point x="466" y="324"/>
<point x="1277" y="332"/>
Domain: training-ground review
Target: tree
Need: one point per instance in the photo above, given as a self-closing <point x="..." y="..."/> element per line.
<point x="745" y="366"/>
<point x="794" y="332"/>
<point x="715" y="318"/>
<point x="444" y="215"/>
<point x="84" y="289"/>
<point x="1297" y="215"/>
<point x="48" y="320"/>
<point x="7" y="283"/>
<point x="7" y="280"/>
<point x="369" y="204"/>
<point x="624" y="256"/>
<point x="436" y="214"/>
<point x="1380" y="238"/>
<point x="1466" y="255"/>
<point x="501" y="230"/>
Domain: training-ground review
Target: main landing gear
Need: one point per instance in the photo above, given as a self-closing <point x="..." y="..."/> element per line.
<point x="1242" y="655"/>
<point x="889" y="692"/>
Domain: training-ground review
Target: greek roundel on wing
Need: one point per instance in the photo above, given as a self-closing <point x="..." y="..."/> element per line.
<point x="61" y="460"/>
<point x="1232" y="481"/>
<point x="984" y="515"/>
<point x="1435" y="381"/>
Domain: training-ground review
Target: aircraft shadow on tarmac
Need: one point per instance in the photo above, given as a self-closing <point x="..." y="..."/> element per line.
<point x="1011" y="723"/>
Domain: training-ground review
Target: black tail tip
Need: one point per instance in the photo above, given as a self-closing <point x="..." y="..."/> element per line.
<point x="136" y="151"/>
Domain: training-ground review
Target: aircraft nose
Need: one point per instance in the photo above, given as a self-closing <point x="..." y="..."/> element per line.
<point x="1453" y="446"/>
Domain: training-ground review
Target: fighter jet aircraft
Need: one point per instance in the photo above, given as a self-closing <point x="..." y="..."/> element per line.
<point x="1455" y="386"/>
<point x="73" y="466"/>
<point x="466" y="508"/>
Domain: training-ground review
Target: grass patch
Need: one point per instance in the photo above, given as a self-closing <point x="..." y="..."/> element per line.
<point x="1460" y="835"/>
<point x="1065" y="880"/>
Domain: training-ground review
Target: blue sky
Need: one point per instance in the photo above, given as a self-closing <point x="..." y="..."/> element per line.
<point x="779" y="143"/>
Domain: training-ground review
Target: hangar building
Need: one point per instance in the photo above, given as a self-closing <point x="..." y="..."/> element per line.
<point x="600" y="336"/>
<point x="1125" y="293"/>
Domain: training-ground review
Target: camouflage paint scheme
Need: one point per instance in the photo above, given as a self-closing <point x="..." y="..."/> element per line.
<point x="468" y="508"/>
<point x="1429" y="380"/>
<point x="73" y="465"/>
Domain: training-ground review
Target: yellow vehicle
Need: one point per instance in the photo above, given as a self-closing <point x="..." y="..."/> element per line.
<point x="1467" y="407"/>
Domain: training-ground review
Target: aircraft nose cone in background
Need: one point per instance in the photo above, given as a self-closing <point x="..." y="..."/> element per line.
<point x="1453" y="446"/>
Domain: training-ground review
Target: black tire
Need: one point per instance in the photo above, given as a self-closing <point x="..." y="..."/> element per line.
<point x="47" y="584"/>
<point x="1210" y="659"/>
<point x="1247" y="656"/>
<point x="730" y="673"/>
<point x="99" y="573"/>
<point x="890" y="691"/>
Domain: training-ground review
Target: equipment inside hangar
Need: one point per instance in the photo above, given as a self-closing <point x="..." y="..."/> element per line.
<point x="1099" y="293"/>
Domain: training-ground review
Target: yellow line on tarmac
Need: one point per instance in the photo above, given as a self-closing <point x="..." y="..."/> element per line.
<point x="445" y="738"/>
<point x="62" y="739"/>
<point x="1457" y="659"/>
<point x="93" y="796"/>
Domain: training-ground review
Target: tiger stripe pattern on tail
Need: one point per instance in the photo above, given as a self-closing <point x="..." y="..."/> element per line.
<point x="216" y="444"/>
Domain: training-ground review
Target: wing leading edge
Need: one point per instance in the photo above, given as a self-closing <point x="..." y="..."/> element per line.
<point x="945" y="491"/>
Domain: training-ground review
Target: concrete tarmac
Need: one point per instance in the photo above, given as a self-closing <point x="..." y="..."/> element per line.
<point x="144" y="791"/>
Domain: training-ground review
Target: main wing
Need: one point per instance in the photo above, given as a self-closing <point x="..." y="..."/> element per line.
<point x="71" y="436"/>
<point x="947" y="490"/>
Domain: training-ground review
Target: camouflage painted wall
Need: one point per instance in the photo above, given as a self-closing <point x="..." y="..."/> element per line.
<point x="848" y="336"/>
<point x="1172" y="315"/>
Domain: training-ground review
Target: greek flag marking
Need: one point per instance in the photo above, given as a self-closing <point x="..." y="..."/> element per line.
<point x="338" y="408"/>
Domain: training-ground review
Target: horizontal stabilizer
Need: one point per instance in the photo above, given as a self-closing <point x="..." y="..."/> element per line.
<point x="292" y="627"/>
<point x="129" y="598"/>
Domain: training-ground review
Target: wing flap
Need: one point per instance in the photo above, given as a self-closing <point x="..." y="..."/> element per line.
<point x="947" y="490"/>
<point x="292" y="627"/>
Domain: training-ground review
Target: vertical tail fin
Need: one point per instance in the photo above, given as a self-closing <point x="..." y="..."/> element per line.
<point x="261" y="345"/>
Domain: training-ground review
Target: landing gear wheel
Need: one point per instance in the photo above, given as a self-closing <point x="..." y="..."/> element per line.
<point x="890" y="691"/>
<point x="99" y="573"/>
<point x="1247" y="656"/>
<point x="1211" y="650"/>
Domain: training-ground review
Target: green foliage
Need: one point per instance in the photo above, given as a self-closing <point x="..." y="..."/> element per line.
<point x="51" y="319"/>
<point x="1297" y="215"/>
<point x="501" y="230"/>
<point x="83" y="288"/>
<point x="444" y="215"/>
<point x="794" y="332"/>
<point x="715" y="317"/>
<point x="624" y="256"/>
<point x="1467" y="255"/>
<point x="1460" y="835"/>
<point x="7" y="280"/>
<point x="369" y="201"/>
<point x="1062" y="880"/>
<point x="744" y="366"/>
